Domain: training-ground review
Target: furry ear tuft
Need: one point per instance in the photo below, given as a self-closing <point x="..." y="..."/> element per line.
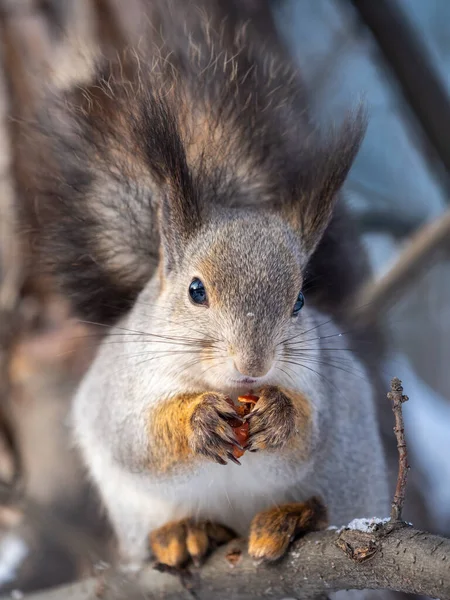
<point x="324" y="168"/>
<point x="179" y="206"/>
<point x="179" y="219"/>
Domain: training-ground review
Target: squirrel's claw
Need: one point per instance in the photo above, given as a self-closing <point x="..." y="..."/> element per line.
<point x="233" y="458"/>
<point x="211" y="434"/>
<point x="271" y="422"/>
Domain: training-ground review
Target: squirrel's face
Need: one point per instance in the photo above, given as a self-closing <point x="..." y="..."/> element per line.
<point x="231" y="279"/>
<point x="238" y="290"/>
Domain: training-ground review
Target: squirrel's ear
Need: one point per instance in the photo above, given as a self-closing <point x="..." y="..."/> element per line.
<point x="324" y="168"/>
<point x="179" y="219"/>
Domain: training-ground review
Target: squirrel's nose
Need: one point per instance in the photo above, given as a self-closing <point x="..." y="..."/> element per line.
<point x="251" y="369"/>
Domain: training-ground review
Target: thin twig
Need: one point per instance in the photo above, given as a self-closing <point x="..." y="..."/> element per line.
<point x="397" y="397"/>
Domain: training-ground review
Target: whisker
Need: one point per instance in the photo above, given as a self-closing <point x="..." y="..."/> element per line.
<point x="286" y="373"/>
<point x="346" y="359"/>
<point x="320" y="361"/>
<point x="160" y="318"/>
<point x="146" y="334"/>
<point x="339" y="359"/>
<point x="317" y="348"/>
<point x="325" y="337"/>
<point x="320" y="375"/>
<point x="214" y="365"/>
<point x="127" y="342"/>
<point x="305" y="332"/>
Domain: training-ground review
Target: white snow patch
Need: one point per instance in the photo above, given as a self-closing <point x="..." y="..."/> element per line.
<point x="13" y="551"/>
<point x="366" y="525"/>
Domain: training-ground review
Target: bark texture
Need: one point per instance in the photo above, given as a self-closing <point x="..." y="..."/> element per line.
<point x="393" y="557"/>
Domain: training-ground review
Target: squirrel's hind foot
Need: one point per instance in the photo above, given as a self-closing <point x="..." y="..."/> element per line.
<point x="177" y="542"/>
<point x="272" y="531"/>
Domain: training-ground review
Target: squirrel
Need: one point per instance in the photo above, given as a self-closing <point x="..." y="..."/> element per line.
<point x="197" y="212"/>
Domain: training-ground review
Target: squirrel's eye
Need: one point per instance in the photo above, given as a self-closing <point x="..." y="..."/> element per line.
<point x="197" y="292"/>
<point x="299" y="304"/>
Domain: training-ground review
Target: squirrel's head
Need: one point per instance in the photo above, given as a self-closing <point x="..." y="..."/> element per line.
<point x="231" y="279"/>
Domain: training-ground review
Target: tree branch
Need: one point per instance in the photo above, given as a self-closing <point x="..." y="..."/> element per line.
<point x="378" y="296"/>
<point x="394" y="557"/>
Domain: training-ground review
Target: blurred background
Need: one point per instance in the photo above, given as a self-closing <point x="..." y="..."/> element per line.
<point x="392" y="54"/>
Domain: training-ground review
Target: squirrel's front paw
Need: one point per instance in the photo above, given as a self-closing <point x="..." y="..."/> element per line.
<point x="272" y="421"/>
<point x="211" y="433"/>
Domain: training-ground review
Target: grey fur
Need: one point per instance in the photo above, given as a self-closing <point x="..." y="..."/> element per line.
<point x="257" y="271"/>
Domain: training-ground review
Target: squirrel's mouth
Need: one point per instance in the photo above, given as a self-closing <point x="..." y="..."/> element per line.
<point x="245" y="381"/>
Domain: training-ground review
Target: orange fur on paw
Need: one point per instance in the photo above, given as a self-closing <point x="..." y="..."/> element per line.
<point x="177" y="542"/>
<point x="197" y="541"/>
<point x="272" y="531"/>
<point x="188" y="426"/>
<point x="168" y="544"/>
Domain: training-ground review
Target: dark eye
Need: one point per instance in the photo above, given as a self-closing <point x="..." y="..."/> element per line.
<point x="299" y="304"/>
<point x="197" y="292"/>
